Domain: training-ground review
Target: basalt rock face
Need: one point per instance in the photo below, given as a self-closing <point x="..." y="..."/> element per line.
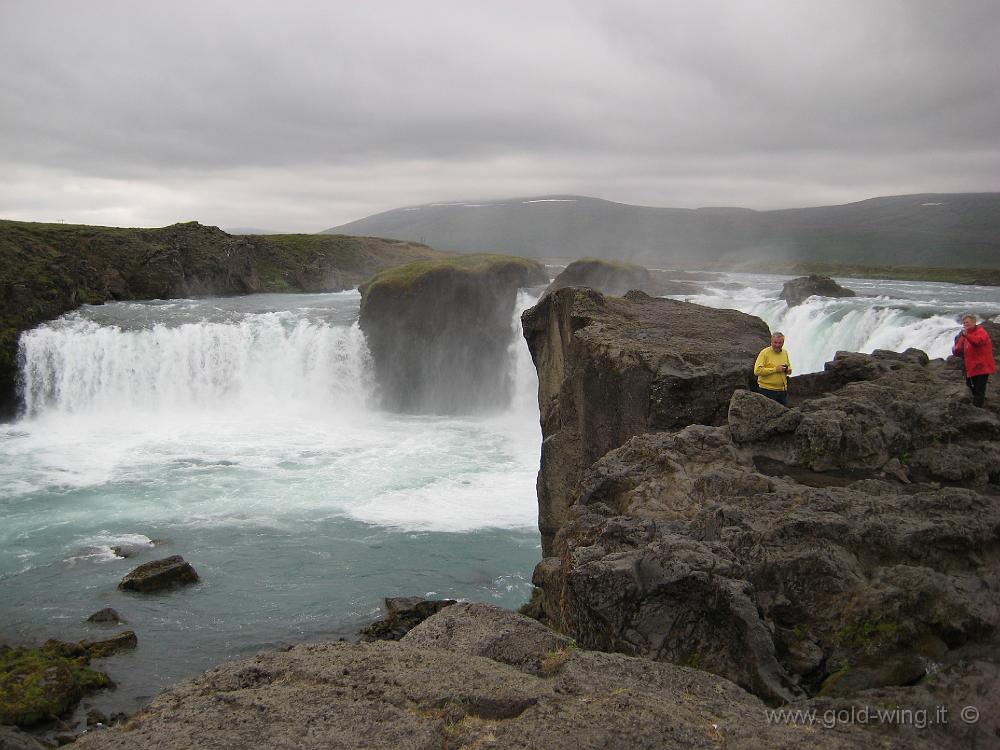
<point x="618" y="277"/>
<point x="610" y="368"/>
<point x="49" y="269"/>
<point x="440" y="332"/>
<point x="797" y="291"/>
<point x="848" y="544"/>
<point x="471" y="676"/>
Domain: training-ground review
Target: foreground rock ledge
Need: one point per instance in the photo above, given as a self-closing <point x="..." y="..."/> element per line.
<point x="470" y="676"/>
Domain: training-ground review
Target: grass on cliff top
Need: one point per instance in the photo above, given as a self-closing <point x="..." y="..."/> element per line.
<point x="56" y="234"/>
<point x="479" y="263"/>
<point x="618" y="265"/>
<point x="343" y="249"/>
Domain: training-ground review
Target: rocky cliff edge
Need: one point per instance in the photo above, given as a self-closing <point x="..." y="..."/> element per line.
<point x="844" y="550"/>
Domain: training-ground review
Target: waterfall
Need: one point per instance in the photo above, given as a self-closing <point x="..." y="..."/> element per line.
<point x="523" y="374"/>
<point x="133" y="357"/>
<point x="76" y="365"/>
<point x="884" y="315"/>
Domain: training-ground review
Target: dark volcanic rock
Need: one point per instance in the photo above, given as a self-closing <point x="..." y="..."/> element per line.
<point x="12" y="738"/>
<point x="617" y="277"/>
<point x="159" y="574"/>
<point x="471" y="676"/>
<point x="105" y="616"/>
<point x="611" y="368"/>
<point x="440" y="332"/>
<point x="849" y="544"/>
<point x="403" y="613"/>
<point x="797" y="291"/>
<point x="605" y="276"/>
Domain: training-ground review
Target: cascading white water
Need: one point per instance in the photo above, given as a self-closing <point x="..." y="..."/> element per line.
<point x="885" y="315"/>
<point x="241" y="433"/>
<point x="80" y="365"/>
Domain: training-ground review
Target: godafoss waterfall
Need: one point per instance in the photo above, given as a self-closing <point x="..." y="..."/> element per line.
<point x="885" y="314"/>
<point x="244" y="434"/>
<point x="262" y="438"/>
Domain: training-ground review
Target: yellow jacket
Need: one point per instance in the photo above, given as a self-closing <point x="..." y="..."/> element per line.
<point x="766" y="369"/>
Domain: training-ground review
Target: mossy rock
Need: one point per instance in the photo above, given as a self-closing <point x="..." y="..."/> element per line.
<point x="411" y="275"/>
<point x="896" y="669"/>
<point x="41" y="683"/>
<point x="440" y="331"/>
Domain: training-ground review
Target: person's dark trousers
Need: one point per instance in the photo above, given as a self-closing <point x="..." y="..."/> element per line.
<point x="782" y="396"/>
<point x="977" y="384"/>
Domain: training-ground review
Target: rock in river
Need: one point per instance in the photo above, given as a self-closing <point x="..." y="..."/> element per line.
<point x="159" y="574"/>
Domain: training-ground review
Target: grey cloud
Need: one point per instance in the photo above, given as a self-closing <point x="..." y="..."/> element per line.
<point x="307" y="111"/>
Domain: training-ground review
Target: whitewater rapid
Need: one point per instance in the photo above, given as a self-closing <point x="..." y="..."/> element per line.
<point x="886" y="314"/>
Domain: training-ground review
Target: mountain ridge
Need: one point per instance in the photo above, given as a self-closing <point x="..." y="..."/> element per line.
<point x="921" y="229"/>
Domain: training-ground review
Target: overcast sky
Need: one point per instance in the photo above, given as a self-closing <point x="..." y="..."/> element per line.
<point x="300" y="115"/>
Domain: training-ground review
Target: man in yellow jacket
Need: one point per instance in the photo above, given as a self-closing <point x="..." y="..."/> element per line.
<point x="772" y="369"/>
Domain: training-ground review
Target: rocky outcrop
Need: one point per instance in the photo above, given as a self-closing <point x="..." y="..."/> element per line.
<point x="617" y="277"/>
<point x="797" y="291"/>
<point x="159" y="574"/>
<point x="403" y="613"/>
<point x="611" y="368"/>
<point x="849" y="544"/>
<point x="49" y="269"/>
<point x="440" y="331"/>
<point x="471" y="676"/>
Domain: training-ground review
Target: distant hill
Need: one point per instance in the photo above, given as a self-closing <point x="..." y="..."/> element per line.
<point x="932" y="229"/>
<point x="251" y="230"/>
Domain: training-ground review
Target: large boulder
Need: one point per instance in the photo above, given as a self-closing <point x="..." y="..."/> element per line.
<point x="609" y="368"/>
<point x="471" y="676"/>
<point x="797" y="291"/>
<point x="159" y="574"/>
<point x="440" y="332"/>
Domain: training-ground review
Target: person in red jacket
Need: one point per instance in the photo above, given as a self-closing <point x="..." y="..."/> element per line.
<point x="975" y="348"/>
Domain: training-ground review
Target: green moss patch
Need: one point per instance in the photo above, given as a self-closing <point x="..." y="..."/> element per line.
<point x="476" y="264"/>
<point x="42" y="683"/>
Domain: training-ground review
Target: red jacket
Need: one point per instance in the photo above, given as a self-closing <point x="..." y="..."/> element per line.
<point x="976" y="350"/>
